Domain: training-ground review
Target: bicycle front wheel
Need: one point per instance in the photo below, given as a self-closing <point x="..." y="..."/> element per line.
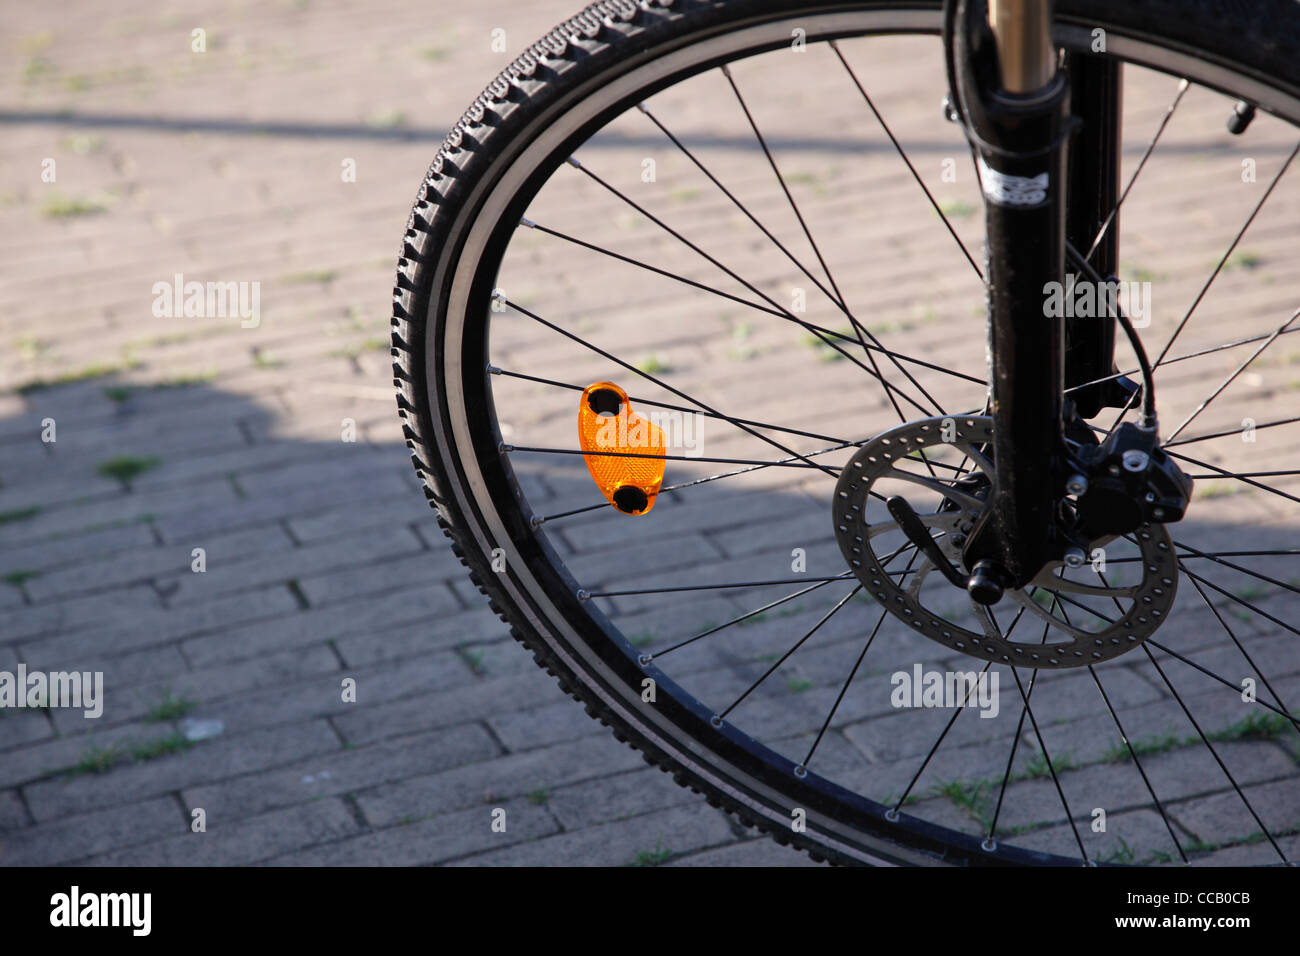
<point x="752" y="217"/>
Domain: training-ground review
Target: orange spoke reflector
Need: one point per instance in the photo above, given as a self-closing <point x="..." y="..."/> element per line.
<point x="606" y="423"/>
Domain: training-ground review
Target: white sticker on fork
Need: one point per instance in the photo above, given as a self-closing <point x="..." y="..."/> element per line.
<point x="1003" y="189"/>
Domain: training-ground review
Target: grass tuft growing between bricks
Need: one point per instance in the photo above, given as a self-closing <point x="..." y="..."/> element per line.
<point x="1122" y="853"/>
<point x="170" y="707"/>
<point x="656" y="857"/>
<point x="475" y="661"/>
<point x="1256" y="726"/>
<point x="321" y="276"/>
<point x="97" y="759"/>
<point x="173" y="743"/>
<point x="87" y="374"/>
<point x="60" y="206"/>
<point x="125" y="468"/>
<point x="19" y="514"/>
<point x="123" y="393"/>
<point x="1036" y="767"/>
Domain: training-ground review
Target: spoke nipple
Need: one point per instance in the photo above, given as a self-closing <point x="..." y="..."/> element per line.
<point x="573" y="161"/>
<point x="1076" y="484"/>
<point x="800" y="771"/>
<point x="645" y="660"/>
<point x="641" y="107"/>
<point x="892" y="814"/>
<point x="493" y="370"/>
<point x="536" y="521"/>
<point x="523" y="221"/>
<point x="582" y="595"/>
<point x="503" y="448"/>
<point x="715" y="720"/>
<point x="989" y="845"/>
<point x="1075" y="558"/>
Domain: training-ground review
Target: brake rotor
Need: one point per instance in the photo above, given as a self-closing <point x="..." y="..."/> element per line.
<point x="1135" y="610"/>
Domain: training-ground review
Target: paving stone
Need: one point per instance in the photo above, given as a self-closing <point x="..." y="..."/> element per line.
<point x="760" y="852"/>
<point x="12" y="813"/>
<point x="615" y="798"/>
<point x="75" y="837"/>
<point x="330" y="773"/>
<point x="472" y="701"/>
<point x="420" y="841"/>
<point x="509" y="776"/>
<point x="208" y="761"/>
<point x="243" y="842"/>
<point x="642" y="841"/>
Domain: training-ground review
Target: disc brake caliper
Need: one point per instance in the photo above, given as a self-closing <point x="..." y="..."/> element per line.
<point x="1127" y="480"/>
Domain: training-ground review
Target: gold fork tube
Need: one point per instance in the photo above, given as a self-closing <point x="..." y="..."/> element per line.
<point x="1022" y="30"/>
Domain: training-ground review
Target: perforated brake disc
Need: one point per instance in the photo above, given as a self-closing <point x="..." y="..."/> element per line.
<point x="948" y="508"/>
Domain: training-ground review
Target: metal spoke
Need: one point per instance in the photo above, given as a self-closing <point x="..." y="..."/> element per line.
<point x="1179" y="358"/>
<point x="1047" y="758"/>
<point x="784" y="657"/>
<point x="647" y="658"/>
<point x="1223" y="261"/>
<point x="785" y="313"/>
<point x="1236" y="688"/>
<point x="1231" y="378"/>
<point x="803" y="463"/>
<point x="664" y="385"/>
<point x="838" y="297"/>
<point x="903" y="155"/>
<point x="1214" y="753"/>
<point x="957" y="712"/>
<point x="1278" y="552"/>
<point x="710" y="587"/>
<point x="807" y="233"/>
<point x="1169" y="114"/>
<point x="990" y="842"/>
<point x="1228" y="474"/>
<point x="493" y="370"/>
<point x="884" y="613"/>
<point x="1236" y="567"/>
<point x="1137" y="763"/>
<point x="1242" y="601"/>
<point x="1231" y="431"/>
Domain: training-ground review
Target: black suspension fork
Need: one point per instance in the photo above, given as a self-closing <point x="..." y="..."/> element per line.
<point x="1013" y="101"/>
<point x="1096" y="86"/>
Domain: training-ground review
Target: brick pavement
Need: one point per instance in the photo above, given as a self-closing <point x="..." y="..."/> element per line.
<point x="322" y="561"/>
